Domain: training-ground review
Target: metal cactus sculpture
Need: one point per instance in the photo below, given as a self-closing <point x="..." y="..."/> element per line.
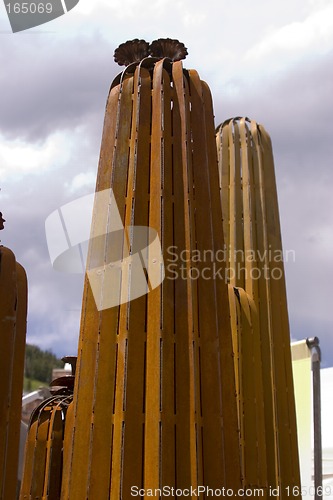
<point x="258" y="304"/>
<point x="183" y="380"/>
<point x="154" y="401"/>
<point x="13" y="312"/>
<point x="42" y="475"/>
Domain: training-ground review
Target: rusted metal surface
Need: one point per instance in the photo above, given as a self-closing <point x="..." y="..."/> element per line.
<point x="42" y="474"/>
<point x="63" y="384"/>
<point x="134" y="51"/>
<point x="253" y="240"/>
<point x="167" y="47"/>
<point x="2" y="220"/>
<point x="249" y="389"/>
<point x="44" y="449"/>
<point x="190" y="383"/>
<point x="154" y="400"/>
<point x="13" y="312"/>
<point x="131" y="51"/>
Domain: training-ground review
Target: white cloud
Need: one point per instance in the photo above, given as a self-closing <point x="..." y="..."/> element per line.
<point x="283" y="45"/>
<point x="80" y="181"/>
<point x="122" y="9"/>
<point x="19" y="158"/>
<point x="194" y="18"/>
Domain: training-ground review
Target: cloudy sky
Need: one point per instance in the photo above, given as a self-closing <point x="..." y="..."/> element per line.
<point x="271" y="61"/>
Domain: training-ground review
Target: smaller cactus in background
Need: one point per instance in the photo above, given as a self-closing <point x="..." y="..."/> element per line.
<point x="258" y="304"/>
<point x="43" y="460"/>
<point x="13" y="313"/>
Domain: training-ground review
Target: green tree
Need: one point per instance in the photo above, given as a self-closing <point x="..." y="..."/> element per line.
<point x="39" y="364"/>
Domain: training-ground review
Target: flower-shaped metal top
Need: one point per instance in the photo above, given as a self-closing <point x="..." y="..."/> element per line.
<point x="168" y="47"/>
<point x="135" y="50"/>
<point x="131" y="51"/>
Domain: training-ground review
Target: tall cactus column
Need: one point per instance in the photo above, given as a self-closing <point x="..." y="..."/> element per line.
<point x="253" y="239"/>
<point x="154" y="401"/>
<point x="13" y="312"/>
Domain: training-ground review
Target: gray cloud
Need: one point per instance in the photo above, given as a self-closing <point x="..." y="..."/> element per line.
<point x="51" y="84"/>
<point x="28" y="199"/>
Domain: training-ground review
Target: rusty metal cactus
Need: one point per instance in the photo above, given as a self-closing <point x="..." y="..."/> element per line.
<point x="13" y="312"/>
<point x="154" y="401"/>
<point x="258" y="304"/>
<point x="189" y="384"/>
